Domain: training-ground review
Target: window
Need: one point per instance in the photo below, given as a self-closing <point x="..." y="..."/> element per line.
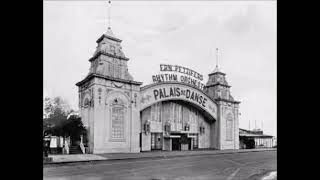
<point x="115" y="68"/>
<point x="224" y="94"/>
<point x="153" y="109"/>
<point x="192" y="116"/>
<point x="117" y="71"/>
<point x="118" y="111"/>
<point x="117" y="122"/>
<point x="159" y="111"/>
<point x="229" y="127"/>
<point x="176" y="113"/>
<point x="166" y="112"/>
<point x="155" y="112"/>
<point x="170" y="111"/>
<point x="180" y="113"/>
<point x="185" y="114"/>
<point x="218" y="94"/>
<point x="112" y="49"/>
<point x="111" y="69"/>
<point x="86" y="102"/>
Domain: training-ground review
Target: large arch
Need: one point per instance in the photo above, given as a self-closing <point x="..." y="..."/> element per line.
<point x="167" y="91"/>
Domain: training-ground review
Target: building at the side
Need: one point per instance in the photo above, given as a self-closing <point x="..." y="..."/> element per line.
<point x="255" y="138"/>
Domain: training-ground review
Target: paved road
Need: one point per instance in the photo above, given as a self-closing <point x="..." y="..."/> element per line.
<point x="251" y="165"/>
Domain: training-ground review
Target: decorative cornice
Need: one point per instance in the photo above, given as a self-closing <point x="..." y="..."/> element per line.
<point x="218" y="83"/>
<point x="109" y="37"/>
<point x="227" y="100"/>
<point x="108" y="54"/>
<point x="92" y="75"/>
<point x="218" y="72"/>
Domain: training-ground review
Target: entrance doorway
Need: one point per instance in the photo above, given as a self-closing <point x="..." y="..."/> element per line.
<point x="189" y="143"/>
<point x="176" y="144"/>
<point x="156" y="141"/>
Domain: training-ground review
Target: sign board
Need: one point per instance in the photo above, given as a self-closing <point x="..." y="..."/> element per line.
<point x="185" y="75"/>
<point x="177" y="91"/>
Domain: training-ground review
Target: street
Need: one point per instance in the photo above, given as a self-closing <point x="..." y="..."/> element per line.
<point x="236" y="166"/>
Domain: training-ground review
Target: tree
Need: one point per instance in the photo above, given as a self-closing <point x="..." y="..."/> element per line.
<point x="47" y="107"/>
<point x="55" y="114"/>
<point x="74" y="128"/>
<point x="58" y="120"/>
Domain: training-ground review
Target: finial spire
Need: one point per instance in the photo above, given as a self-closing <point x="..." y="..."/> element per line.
<point x="217" y="57"/>
<point x="216" y="69"/>
<point x="109" y="14"/>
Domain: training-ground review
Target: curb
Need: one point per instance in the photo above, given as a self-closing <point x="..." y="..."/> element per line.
<point x="145" y="157"/>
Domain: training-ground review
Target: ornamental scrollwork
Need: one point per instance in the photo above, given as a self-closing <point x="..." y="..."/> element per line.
<point x="117" y="85"/>
<point x="99" y="95"/>
<point x="108" y="90"/>
<point x="144" y="98"/>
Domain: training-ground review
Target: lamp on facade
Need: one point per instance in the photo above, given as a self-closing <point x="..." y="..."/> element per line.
<point x="202" y="129"/>
<point x="147" y="127"/>
<point x="187" y="127"/>
<point x="135" y="100"/>
<point x="167" y="128"/>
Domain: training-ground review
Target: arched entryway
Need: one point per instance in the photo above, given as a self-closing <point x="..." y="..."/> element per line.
<point x="176" y="116"/>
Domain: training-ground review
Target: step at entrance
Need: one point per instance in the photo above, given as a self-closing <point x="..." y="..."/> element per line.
<point x="75" y="150"/>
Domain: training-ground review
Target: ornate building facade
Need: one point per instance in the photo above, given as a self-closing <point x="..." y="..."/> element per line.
<point x="123" y="116"/>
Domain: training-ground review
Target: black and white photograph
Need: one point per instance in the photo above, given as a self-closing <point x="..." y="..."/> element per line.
<point x="159" y="90"/>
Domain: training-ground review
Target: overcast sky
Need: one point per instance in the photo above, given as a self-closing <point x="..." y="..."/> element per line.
<point x="184" y="33"/>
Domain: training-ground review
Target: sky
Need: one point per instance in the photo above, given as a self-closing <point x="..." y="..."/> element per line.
<point x="173" y="32"/>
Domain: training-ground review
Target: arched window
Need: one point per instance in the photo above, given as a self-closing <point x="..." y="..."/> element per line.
<point x="112" y="49"/>
<point x="118" y="111"/>
<point x="155" y="112"/>
<point x="117" y="70"/>
<point x="111" y="68"/>
<point x="229" y="127"/>
<point x="86" y="102"/>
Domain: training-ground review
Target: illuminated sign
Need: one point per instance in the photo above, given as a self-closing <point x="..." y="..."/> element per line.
<point x="190" y="77"/>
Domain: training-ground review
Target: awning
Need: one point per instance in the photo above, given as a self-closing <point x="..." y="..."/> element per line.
<point x="180" y="132"/>
<point x="175" y="136"/>
<point x="255" y="135"/>
<point x="192" y="136"/>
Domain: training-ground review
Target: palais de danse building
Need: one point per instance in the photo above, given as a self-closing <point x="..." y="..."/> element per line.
<point x="176" y="112"/>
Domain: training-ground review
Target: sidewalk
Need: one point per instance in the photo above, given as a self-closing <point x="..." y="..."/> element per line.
<point x="72" y="158"/>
